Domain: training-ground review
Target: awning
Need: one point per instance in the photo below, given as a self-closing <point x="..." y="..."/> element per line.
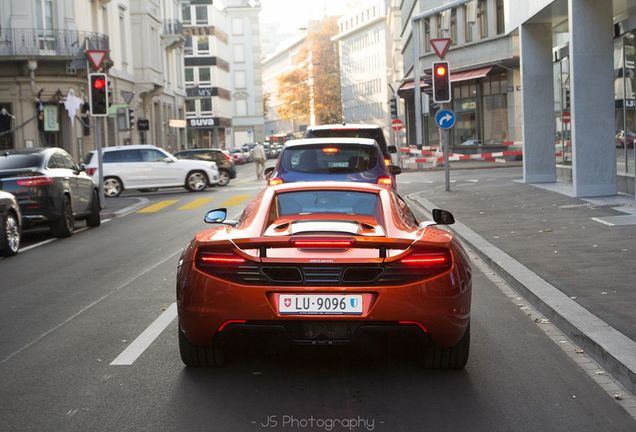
<point x="454" y="76"/>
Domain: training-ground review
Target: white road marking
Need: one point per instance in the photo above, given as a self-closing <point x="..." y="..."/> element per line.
<point x="602" y="221"/>
<point x="90" y="305"/>
<point x="147" y="337"/>
<point x="42" y="243"/>
<point x="131" y="208"/>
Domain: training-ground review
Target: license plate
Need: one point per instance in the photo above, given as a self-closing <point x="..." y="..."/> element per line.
<point x="320" y="304"/>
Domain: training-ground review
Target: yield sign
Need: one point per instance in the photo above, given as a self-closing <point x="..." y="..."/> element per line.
<point x="96" y="57"/>
<point x="440" y="46"/>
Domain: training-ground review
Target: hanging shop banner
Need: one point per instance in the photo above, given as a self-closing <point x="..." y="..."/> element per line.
<point x="51" y="115"/>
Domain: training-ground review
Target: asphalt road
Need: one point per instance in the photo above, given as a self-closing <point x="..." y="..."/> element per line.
<point x="71" y="307"/>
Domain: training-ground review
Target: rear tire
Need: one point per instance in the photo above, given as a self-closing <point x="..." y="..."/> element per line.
<point x="66" y="224"/>
<point x="196" y="181"/>
<point x="10" y="235"/>
<point x="198" y="355"/>
<point x="455" y="357"/>
<point x="112" y="187"/>
<point x="94" y="219"/>
<point x="224" y="178"/>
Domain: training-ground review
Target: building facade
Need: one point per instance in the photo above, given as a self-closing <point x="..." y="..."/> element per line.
<point x="245" y="69"/>
<point x="587" y="48"/>
<point x="42" y="50"/>
<point x="207" y="75"/>
<point x="365" y="64"/>
<point x="273" y="66"/>
<point x="485" y="75"/>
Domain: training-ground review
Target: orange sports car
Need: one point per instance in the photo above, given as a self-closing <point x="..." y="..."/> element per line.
<point x="323" y="263"/>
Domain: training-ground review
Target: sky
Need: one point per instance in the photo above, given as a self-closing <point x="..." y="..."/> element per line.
<point x="293" y="14"/>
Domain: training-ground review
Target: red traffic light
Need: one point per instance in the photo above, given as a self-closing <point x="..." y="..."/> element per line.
<point x="440" y="71"/>
<point x="99" y="83"/>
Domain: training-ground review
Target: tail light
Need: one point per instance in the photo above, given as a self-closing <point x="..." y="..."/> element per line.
<point x="219" y="258"/>
<point x="426" y="263"/>
<point x="91" y="171"/>
<point x="275" y="181"/>
<point x="36" y="181"/>
<point x="227" y="265"/>
<point x="227" y="157"/>
<point x="387" y="161"/>
<point x="385" y="181"/>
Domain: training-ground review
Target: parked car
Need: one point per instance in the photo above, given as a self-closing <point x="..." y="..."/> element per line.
<point x="620" y="139"/>
<point x="322" y="264"/>
<point x="338" y="159"/>
<point x="350" y="130"/>
<point x="238" y="156"/>
<point x="10" y="225"/>
<point x="50" y="188"/>
<point x="223" y="160"/>
<point x="145" y="166"/>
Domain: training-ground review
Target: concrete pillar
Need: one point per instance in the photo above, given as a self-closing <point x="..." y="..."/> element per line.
<point x="592" y="98"/>
<point x="538" y="128"/>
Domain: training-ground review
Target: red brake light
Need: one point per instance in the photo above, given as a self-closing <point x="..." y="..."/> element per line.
<point x="385" y="181"/>
<point x="330" y="150"/>
<point x="228" y="322"/>
<point x="323" y="244"/>
<point x="275" y="181"/>
<point x="387" y="161"/>
<point x="427" y="259"/>
<point x="221" y="259"/>
<point x="36" y="181"/>
<point x="91" y="171"/>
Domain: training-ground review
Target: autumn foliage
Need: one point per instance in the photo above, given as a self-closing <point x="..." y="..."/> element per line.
<point x="293" y="87"/>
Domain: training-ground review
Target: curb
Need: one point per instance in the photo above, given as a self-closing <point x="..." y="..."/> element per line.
<point x="610" y="348"/>
<point x="126" y="210"/>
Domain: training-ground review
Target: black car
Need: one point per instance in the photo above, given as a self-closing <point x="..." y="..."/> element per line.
<point x="10" y="225"/>
<point x="224" y="161"/>
<point x="50" y="187"/>
<point x="350" y="130"/>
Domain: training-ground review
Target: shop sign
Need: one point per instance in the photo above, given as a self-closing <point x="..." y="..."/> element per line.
<point x="199" y="92"/>
<point x="201" y="122"/>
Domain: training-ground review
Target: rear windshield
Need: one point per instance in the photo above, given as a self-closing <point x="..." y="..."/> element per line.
<point x="16" y="161"/>
<point x="316" y="201"/>
<point x="88" y="157"/>
<point x="375" y="134"/>
<point x="331" y="158"/>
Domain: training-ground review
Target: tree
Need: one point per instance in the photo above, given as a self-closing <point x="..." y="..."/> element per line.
<point x="293" y="87"/>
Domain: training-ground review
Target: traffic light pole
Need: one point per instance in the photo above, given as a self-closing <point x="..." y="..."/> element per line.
<point x="445" y="144"/>
<point x="100" y="166"/>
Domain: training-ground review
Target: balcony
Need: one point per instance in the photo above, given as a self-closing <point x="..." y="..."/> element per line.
<point x="172" y="35"/>
<point x="31" y="43"/>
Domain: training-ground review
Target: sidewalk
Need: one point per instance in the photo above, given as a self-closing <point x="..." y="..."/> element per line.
<point x="560" y="253"/>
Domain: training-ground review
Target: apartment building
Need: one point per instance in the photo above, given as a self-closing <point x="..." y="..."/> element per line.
<point x="207" y="75"/>
<point x="245" y="69"/>
<point x="485" y="75"/>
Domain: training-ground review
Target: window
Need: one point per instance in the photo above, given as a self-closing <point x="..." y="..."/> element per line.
<point x="189" y="76"/>
<point x="187" y="47"/>
<point x="122" y="35"/>
<point x="239" y="79"/>
<point x="67" y="161"/>
<point x="427" y="35"/>
<point x="238" y="53"/>
<point x="152" y="155"/>
<point x="187" y="15"/>
<point x="343" y="159"/>
<point x="55" y="162"/>
<point x="44" y="24"/>
<point x="190" y="106"/>
<point x="237" y="26"/>
<point x="468" y="26"/>
<point x="201" y="14"/>
<point x="362" y="203"/>
<point x="122" y="156"/>
<point x="483" y="19"/>
<point x="203" y="45"/>
<point x="205" y="76"/>
<point x="438" y="26"/>
<point x="206" y="105"/>
<point x="241" y="107"/>
<point x="501" y="26"/>
<point x="453" y="26"/>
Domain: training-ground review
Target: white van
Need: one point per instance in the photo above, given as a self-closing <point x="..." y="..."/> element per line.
<point x="145" y="167"/>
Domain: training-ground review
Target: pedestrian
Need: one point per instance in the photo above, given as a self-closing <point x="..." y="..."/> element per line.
<point x="258" y="154"/>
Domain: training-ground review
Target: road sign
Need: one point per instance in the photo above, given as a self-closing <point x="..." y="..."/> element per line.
<point x="566" y="117"/>
<point x="445" y="118"/>
<point x="96" y="57"/>
<point x="397" y="125"/>
<point x="440" y="46"/>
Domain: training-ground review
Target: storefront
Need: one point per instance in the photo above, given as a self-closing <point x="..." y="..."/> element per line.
<point x="207" y="132"/>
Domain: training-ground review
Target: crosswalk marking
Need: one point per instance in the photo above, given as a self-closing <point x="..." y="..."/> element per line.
<point x="158" y="206"/>
<point x="235" y="200"/>
<point x="195" y="204"/>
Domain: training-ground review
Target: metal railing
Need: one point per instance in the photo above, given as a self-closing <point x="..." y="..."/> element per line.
<point x="47" y="43"/>
<point x="172" y="27"/>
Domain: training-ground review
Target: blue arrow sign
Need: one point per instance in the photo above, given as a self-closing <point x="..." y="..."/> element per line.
<point x="445" y="118"/>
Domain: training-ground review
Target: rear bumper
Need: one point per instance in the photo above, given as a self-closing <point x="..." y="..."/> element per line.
<point x="207" y="304"/>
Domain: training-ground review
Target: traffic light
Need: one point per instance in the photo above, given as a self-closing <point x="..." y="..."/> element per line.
<point x="131" y="118"/>
<point x="394" y="107"/>
<point x="441" y="82"/>
<point x="98" y="94"/>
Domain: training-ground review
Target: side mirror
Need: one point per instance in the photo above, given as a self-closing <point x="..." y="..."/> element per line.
<point x="443" y="217"/>
<point x="82" y="168"/>
<point x="395" y="170"/>
<point x="392" y="149"/>
<point x="215" y="216"/>
<point x="168" y="160"/>
<point x="268" y="172"/>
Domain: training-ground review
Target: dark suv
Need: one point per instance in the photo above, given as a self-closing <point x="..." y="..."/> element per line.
<point x="350" y="130"/>
<point x="224" y="161"/>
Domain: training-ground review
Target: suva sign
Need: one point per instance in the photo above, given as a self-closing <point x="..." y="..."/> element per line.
<point x="202" y="122"/>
